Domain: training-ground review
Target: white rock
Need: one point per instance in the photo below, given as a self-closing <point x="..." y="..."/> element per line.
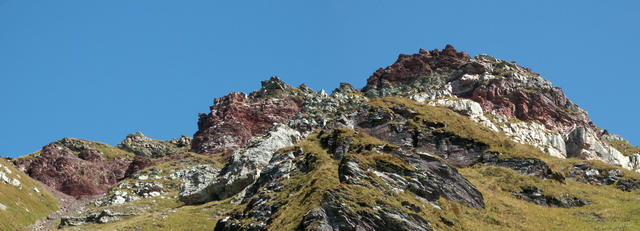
<point x="245" y="165"/>
<point x="466" y="107"/>
<point x="3" y="207"/>
<point x="584" y="143"/>
<point x="143" y="177"/>
<point x="118" y="200"/>
<point x="15" y="182"/>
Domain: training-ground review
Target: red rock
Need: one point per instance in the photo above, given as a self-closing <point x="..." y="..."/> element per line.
<point x="62" y="170"/>
<point x="235" y="118"/>
<point x="138" y="163"/>
<point x="409" y="67"/>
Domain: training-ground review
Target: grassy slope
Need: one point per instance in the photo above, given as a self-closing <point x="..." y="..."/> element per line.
<point x="165" y="212"/>
<point x="612" y="209"/>
<point x="24" y="205"/>
<point x="110" y="152"/>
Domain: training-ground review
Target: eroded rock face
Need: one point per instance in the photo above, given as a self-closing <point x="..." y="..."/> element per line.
<point x="498" y="86"/>
<point x="427" y="177"/>
<point x="430" y="180"/>
<point x="235" y="118"/>
<point x="245" y="165"/>
<point x="62" y="170"/>
<point x="501" y="88"/>
<point x="583" y="143"/>
<point x="394" y="128"/>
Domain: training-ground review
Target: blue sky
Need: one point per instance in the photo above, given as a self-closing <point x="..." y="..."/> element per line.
<point x="99" y="70"/>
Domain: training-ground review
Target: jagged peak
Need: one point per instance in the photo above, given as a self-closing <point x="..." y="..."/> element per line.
<point x="274" y="87"/>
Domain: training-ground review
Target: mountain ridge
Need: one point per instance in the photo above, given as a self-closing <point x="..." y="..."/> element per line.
<point x="437" y="132"/>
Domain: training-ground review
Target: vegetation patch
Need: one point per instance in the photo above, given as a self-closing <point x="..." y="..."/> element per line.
<point x="24" y="204"/>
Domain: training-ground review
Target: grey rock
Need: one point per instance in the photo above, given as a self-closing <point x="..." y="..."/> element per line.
<point x="245" y="165"/>
<point x="147" y="147"/>
<point x="194" y="183"/>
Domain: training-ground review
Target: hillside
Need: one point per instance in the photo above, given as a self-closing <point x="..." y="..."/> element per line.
<point x="22" y="199"/>
<point x="438" y="140"/>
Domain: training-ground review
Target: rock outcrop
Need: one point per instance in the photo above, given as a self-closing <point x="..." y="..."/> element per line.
<point x="244" y="167"/>
<point x="236" y="118"/>
<point x="105" y="216"/>
<point x="501" y="88"/>
<point x="144" y="146"/>
<point x="535" y="195"/>
<point x="61" y="169"/>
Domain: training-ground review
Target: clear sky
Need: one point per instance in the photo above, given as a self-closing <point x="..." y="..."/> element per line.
<point x="99" y="70"/>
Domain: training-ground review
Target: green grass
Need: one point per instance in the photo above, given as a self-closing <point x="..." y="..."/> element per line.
<point x="24" y="205"/>
<point x="109" y="152"/>
<point x="612" y="209"/>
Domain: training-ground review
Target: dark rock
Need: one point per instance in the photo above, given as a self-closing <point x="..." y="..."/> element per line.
<point x="535" y="195"/>
<point x="583" y="172"/>
<point x="527" y="166"/>
<point x="334" y="216"/>
<point x="395" y="129"/>
<point x="628" y="185"/>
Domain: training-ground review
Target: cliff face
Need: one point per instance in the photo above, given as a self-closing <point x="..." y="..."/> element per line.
<point x="438" y="140"/>
<point x="236" y="117"/>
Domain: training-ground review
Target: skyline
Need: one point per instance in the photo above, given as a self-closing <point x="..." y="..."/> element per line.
<point x="100" y="71"/>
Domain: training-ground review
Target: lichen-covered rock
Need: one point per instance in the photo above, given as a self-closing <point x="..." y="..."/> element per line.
<point x="144" y="146"/>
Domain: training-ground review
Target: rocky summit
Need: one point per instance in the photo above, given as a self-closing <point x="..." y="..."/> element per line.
<point x="438" y="140"/>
